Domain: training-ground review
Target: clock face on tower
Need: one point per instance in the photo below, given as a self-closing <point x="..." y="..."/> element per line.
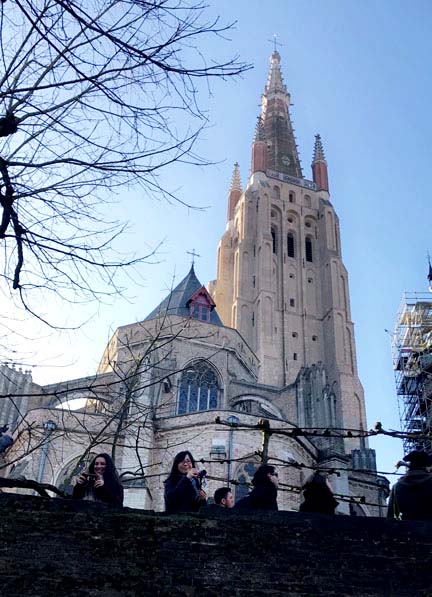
<point x="285" y="160"/>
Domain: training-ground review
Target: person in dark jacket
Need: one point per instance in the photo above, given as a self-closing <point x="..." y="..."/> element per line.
<point x="183" y="491"/>
<point x="318" y="496"/>
<point x="264" y="494"/>
<point x="100" y="483"/>
<point x="411" y="496"/>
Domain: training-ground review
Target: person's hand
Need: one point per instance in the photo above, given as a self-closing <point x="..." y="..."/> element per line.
<point x="193" y="472"/>
<point x="202" y="495"/>
<point x="99" y="482"/>
<point x="81" y="479"/>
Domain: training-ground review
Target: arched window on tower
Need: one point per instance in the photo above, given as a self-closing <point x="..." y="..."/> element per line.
<point x="290" y="245"/>
<point x="274" y="239"/>
<point x="198" y="389"/>
<point x="308" y="248"/>
<point x="291" y="197"/>
<point x="276" y="191"/>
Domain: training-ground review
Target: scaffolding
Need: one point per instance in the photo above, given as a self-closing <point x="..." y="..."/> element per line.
<point x="412" y="364"/>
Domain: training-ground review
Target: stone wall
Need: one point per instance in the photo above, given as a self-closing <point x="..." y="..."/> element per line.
<point x="57" y="547"/>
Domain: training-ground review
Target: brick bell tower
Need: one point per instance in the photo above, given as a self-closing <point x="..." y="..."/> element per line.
<point x="281" y="281"/>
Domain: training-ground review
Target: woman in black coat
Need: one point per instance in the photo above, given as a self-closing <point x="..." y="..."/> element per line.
<point x="264" y="494"/>
<point x="100" y="483"/>
<point x="318" y="496"/>
<point x="183" y="491"/>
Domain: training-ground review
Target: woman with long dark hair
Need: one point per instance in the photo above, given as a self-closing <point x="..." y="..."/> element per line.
<point x="183" y="491"/>
<point x="100" y="483"/>
<point x="318" y="496"/>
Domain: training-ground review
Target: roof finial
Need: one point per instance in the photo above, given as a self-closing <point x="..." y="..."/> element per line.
<point x="236" y="182"/>
<point x="275" y="42"/>
<point x="318" y="155"/>
<point x="193" y="256"/>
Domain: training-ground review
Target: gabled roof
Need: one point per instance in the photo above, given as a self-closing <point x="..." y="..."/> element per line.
<point x="177" y="302"/>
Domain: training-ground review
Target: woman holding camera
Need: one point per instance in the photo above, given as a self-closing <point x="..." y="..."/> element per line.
<point x="100" y="483"/>
<point x="183" y="490"/>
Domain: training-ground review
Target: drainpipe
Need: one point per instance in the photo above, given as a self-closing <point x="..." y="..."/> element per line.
<point x="49" y="427"/>
<point x="233" y="420"/>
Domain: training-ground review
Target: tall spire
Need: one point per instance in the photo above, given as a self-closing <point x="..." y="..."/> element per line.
<point x="275" y="82"/>
<point x="319" y="166"/>
<point x="282" y="155"/>
<point x="234" y="192"/>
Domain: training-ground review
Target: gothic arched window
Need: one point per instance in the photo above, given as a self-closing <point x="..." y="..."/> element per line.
<point x="198" y="390"/>
<point x="290" y="244"/>
<point x="308" y="247"/>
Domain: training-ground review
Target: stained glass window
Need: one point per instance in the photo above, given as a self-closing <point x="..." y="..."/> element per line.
<point x="198" y="389"/>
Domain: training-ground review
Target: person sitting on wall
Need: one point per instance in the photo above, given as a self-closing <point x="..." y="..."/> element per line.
<point x="411" y="496"/>
<point x="100" y="483"/>
<point x="183" y="489"/>
<point x="318" y="496"/>
<point x="264" y="494"/>
<point x="224" y="498"/>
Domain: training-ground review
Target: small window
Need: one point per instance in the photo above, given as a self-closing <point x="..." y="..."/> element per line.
<point x="308" y="247"/>
<point x="291" y="197"/>
<point x="290" y="245"/>
<point x="310" y="280"/>
<point x="294" y="334"/>
<point x="292" y="276"/>
<point x="276" y="190"/>
<point x="274" y="242"/>
<point x="292" y="303"/>
<point x="295" y="356"/>
<point x="314" y="338"/>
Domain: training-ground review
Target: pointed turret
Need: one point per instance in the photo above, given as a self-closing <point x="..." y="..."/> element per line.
<point x="235" y="192"/>
<point x="282" y="153"/>
<point x="319" y="166"/>
<point x="259" y="149"/>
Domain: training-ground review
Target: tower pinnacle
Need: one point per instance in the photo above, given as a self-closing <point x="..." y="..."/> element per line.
<point x="234" y="192"/>
<point x="235" y="181"/>
<point x="319" y="166"/>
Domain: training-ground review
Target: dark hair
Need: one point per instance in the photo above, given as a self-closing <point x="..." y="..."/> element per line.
<point x="110" y="475"/>
<point x="261" y="475"/>
<point x="221" y="494"/>
<point x="316" y="487"/>
<point x="175" y="473"/>
<point x="418" y="459"/>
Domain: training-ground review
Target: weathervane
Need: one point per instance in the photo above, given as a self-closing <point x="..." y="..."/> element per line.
<point x="275" y="42"/>
<point x="193" y="255"/>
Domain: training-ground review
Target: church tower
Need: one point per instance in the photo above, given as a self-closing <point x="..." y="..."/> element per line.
<point x="281" y="281"/>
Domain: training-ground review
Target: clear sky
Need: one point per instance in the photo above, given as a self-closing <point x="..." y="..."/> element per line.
<point x="359" y="74"/>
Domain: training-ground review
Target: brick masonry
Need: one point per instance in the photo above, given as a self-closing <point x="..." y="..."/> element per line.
<point x="58" y="547"/>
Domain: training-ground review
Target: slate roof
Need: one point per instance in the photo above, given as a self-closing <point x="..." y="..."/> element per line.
<point x="176" y="302"/>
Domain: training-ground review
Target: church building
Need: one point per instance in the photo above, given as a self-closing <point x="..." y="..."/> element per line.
<point x="260" y="365"/>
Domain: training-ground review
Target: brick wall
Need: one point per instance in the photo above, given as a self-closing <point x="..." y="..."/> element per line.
<point x="76" y="548"/>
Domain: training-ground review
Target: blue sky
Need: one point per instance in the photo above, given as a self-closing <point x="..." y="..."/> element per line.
<point x="359" y="74"/>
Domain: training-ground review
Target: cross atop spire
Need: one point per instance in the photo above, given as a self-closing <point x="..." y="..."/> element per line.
<point x="235" y="181"/>
<point x="318" y="155"/>
<point x="275" y="42"/>
<point x="193" y="256"/>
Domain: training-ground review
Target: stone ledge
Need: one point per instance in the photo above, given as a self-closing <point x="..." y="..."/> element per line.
<point x="62" y="547"/>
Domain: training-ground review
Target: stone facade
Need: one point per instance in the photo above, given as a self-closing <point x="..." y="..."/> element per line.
<point x="271" y="338"/>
